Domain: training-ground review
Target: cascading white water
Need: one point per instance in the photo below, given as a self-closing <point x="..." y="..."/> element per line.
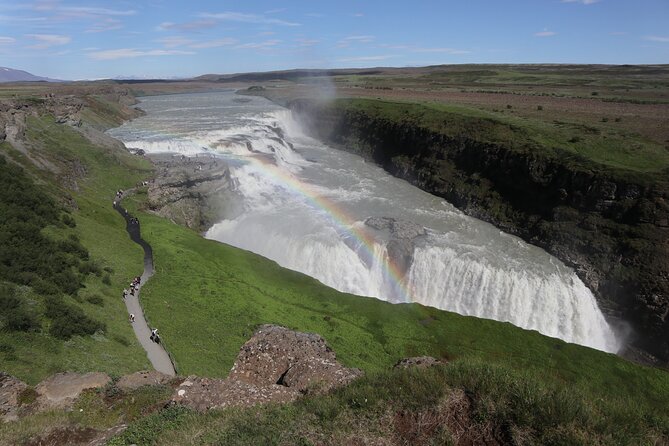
<point x="305" y="206"/>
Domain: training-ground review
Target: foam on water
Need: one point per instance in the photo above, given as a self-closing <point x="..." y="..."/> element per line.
<point x="304" y="205"/>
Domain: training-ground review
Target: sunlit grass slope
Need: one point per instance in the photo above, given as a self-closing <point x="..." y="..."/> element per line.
<point x="96" y="173"/>
<point x="207" y="298"/>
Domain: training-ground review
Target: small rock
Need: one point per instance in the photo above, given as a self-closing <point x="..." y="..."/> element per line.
<point x="145" y="378"/>
<point x="61" y="390"/>
<point x="418" y="361"/>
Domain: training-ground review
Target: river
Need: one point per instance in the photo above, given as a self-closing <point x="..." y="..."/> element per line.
<point x="331" y="215"/>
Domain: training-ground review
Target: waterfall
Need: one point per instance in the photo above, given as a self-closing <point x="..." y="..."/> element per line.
<point x="305" y="206"/>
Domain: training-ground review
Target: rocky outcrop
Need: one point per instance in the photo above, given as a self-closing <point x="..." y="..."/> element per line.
<point x="277" y="355"/>
<point x="190" y="191"/>
<point x="611" y="227"/>
<point x="275" y="365"/>
<point x="11" y="390"/>
<point x="421" y="362"/>
<point x="145" y="378"/>
<point x="61" y="390"/>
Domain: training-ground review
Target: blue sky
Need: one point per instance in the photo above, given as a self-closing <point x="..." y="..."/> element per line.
<point x="84" y="39"/>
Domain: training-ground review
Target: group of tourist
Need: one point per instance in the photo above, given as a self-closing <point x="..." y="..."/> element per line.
<point x="136" y="282"/>
<point x="134" y="286"/>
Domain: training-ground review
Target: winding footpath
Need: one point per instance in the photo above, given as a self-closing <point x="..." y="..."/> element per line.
<point x="158" y="356"/>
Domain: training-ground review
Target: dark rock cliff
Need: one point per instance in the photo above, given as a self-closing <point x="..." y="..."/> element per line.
<point x="612" y="229"/>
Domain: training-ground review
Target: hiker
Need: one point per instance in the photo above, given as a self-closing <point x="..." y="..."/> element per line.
<point x="154" y="334"/>
<point x="132" y="317"/>
<point x="125" y="293"/>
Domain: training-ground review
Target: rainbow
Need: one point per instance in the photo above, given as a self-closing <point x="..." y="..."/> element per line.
<point x="339" y="217"/>
<point x="336" y="214"/>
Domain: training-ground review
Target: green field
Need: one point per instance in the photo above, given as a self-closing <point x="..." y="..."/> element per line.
<point x="582" y="146"/>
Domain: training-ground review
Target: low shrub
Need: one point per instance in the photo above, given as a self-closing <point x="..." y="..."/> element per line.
<point x="95" y="299"/>
<point x="68" y="320"/>
<point x="16" y="314"/>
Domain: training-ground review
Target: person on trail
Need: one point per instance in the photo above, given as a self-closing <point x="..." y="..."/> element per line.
<point x="132" y="317"/>
<point x="154" y="334"/>
<point x="125" y="293"/>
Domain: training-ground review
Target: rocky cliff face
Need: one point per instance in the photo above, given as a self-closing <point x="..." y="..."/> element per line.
<point x="190" y="191"/>
<point x="612" y="230"/>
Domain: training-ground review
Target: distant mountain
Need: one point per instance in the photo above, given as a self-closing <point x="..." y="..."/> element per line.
<point x="12" y="75"/>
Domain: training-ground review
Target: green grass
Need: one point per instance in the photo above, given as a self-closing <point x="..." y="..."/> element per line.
<point x="34" y="356"/>
<point x="415" y="406"/>
<point x="97" y="409"/>
<point x="418" y="407"/>
<point x="580" y="145"/>
<point x="207" y="298"/>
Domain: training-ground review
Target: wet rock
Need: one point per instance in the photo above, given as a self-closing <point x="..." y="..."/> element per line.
<point x="401" y="245"/>
<point x="419" y="362"/>
<point x="10" y="391"/>
<point x="61" y="390"/>
<point x="191" y="191"/>
<point x="145" y="378"/>
<point x="401" y="252"/>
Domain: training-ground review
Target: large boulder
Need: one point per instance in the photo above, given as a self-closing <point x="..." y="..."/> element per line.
<point x="277" y="355"/>
<point x="61" y="390"/>
<point x="275" y="365"/>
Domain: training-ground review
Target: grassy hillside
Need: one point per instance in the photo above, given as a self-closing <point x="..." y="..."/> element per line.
<point x="208" y="297"/>
<point x="78" y="192"/>
<point x="466" y="402"/>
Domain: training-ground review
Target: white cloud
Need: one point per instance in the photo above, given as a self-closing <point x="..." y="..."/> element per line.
<point x="662" y="39"/>
<point x="247" y="18"/>
<point x="108" y="24"/>
<point x="171" y="42"/>
<point x="259" y="45"/>
<point x="583" y="2"/>
<point x="348" y="41"/>
<point x="48" y="40"/>
<point x="7" y="40"/>
<point x="124" y="53"/>
<point x="314" y="14"/>
<point x="85" y="11"/>
<point x="214" y="43"/>
<point x="194" y="26"/>
<point x="366" y="58"/>
<point x="545" y="33"/>
<point x="306" y="42"/>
